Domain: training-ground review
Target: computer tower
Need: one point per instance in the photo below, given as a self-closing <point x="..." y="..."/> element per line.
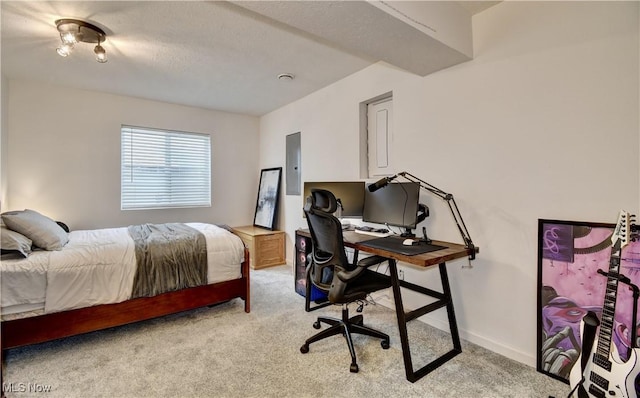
<point x="303" y="248"/>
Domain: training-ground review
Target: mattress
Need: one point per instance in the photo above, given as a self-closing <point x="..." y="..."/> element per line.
<point x="98" y="267"/>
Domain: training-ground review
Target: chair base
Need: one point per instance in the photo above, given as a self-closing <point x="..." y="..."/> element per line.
<point x="345" y="326"/>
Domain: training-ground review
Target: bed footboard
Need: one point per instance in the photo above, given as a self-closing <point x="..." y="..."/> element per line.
<point x="39" y="329"/>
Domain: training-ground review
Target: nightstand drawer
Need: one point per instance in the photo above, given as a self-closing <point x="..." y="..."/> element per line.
<point x="266" y="248"/>
<point x="270" y="251"/>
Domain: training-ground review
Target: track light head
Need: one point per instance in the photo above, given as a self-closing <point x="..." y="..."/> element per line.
<point x="64" y="50"/>
<point x="101" y="54"/>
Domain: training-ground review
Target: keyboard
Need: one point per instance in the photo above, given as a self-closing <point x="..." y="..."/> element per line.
<point x="373" y="233"/>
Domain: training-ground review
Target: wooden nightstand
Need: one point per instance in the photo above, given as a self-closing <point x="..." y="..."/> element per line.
<point x="266" y="248"/>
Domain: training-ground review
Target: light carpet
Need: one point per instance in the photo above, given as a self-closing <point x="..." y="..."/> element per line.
<point x="224" y="352"/>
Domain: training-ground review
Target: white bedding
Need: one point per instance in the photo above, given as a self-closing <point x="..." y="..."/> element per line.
<point x="98" y="267"/>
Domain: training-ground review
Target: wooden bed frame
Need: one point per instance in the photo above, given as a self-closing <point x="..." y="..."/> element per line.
<point x="42" y="328"/>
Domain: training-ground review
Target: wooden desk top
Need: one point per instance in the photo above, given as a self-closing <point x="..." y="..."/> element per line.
<point x="452" y="251"/>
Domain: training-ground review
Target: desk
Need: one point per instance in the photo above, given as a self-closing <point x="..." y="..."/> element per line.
<point x="439" y="257"/>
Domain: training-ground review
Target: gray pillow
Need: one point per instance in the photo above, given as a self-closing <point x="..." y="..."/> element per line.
<point x="13" y="242"/>
<point x="43" y="231"/>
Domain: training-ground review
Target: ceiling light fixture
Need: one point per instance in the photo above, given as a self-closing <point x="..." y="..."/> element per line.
<point x="74" y="31"/>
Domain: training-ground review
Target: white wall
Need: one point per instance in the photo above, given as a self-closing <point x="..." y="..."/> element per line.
<point x="543" y="123"/>
<point x="64" y="157"/>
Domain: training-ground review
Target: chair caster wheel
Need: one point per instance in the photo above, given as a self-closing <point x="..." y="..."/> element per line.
<point x="316" y="325"/>
<point x="354" y="368"/>
<point x="304" y="349"/>
<point x="385" y="344"/>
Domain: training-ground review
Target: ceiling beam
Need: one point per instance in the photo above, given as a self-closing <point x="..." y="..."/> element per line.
<point x="420" y="37"/>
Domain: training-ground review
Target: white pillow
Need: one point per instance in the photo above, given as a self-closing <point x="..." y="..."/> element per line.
<point x="43" y="231"/>
<point x="13" y="242"/>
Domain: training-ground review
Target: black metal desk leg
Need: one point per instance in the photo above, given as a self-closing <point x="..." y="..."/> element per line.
<point x="443" y="300"/>
<point x="453" y="325"/>
<point x="402" y="322"/>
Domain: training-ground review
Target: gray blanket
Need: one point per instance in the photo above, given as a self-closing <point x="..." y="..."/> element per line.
<point x="169" y="257"/>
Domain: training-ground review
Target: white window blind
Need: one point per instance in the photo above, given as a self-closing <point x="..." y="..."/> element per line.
<point x="162" y="169"/>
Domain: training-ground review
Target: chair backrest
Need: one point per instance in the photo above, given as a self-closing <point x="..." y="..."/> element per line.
<point x="326" y="237"/>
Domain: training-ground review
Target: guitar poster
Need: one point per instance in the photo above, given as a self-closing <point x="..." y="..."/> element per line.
<point x="569" y="285"/>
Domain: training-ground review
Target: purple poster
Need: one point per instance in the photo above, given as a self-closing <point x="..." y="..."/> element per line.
<point x="569" y="257"/>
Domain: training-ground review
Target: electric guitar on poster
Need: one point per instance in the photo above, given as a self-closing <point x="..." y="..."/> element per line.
<point x="599" y="372"/>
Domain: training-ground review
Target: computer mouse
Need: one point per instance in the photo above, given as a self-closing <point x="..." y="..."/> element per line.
<point x="408" y="242"/>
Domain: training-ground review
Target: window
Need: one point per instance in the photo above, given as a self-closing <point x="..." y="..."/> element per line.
<point x="161" y="169"/>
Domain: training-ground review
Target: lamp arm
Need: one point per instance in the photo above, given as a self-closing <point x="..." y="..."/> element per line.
<point x="453" y="207"/>
<point x="426" y="186"/>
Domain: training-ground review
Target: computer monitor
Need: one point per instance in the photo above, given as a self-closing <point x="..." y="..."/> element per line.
<point x="350" y="193"/>
<point x="395" y="204"/>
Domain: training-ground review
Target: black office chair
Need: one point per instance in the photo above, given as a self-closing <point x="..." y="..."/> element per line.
<point x="329" y="270"/>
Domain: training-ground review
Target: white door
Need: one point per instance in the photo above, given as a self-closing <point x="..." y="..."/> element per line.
<point x="380" y="137"/>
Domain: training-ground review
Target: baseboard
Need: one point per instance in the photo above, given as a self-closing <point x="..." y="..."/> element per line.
<point x="385" y="299"/>
<point x="483" y="342"/>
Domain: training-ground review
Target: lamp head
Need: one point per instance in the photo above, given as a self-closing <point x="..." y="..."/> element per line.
<point x="68" y="37"/>
<point x="101" y="54"/>
<point x="65" y="49"/>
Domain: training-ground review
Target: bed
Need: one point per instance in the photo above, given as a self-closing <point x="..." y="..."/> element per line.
<point x="69" y="290"/>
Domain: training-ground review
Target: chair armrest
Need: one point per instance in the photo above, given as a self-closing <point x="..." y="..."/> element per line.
<point x="363" y="264"/>
<point x="346" y="276"/>
<point x="371" y="260"/>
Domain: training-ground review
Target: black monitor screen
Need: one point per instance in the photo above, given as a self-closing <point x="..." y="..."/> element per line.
<point x="396" y="204"/>
<point x="350" y="193"/>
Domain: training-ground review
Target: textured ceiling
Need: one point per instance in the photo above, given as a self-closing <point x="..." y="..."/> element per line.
<point x="214" y="55"/>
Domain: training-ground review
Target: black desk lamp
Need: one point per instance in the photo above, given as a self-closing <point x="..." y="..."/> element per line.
<point x="462" y="228"/>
